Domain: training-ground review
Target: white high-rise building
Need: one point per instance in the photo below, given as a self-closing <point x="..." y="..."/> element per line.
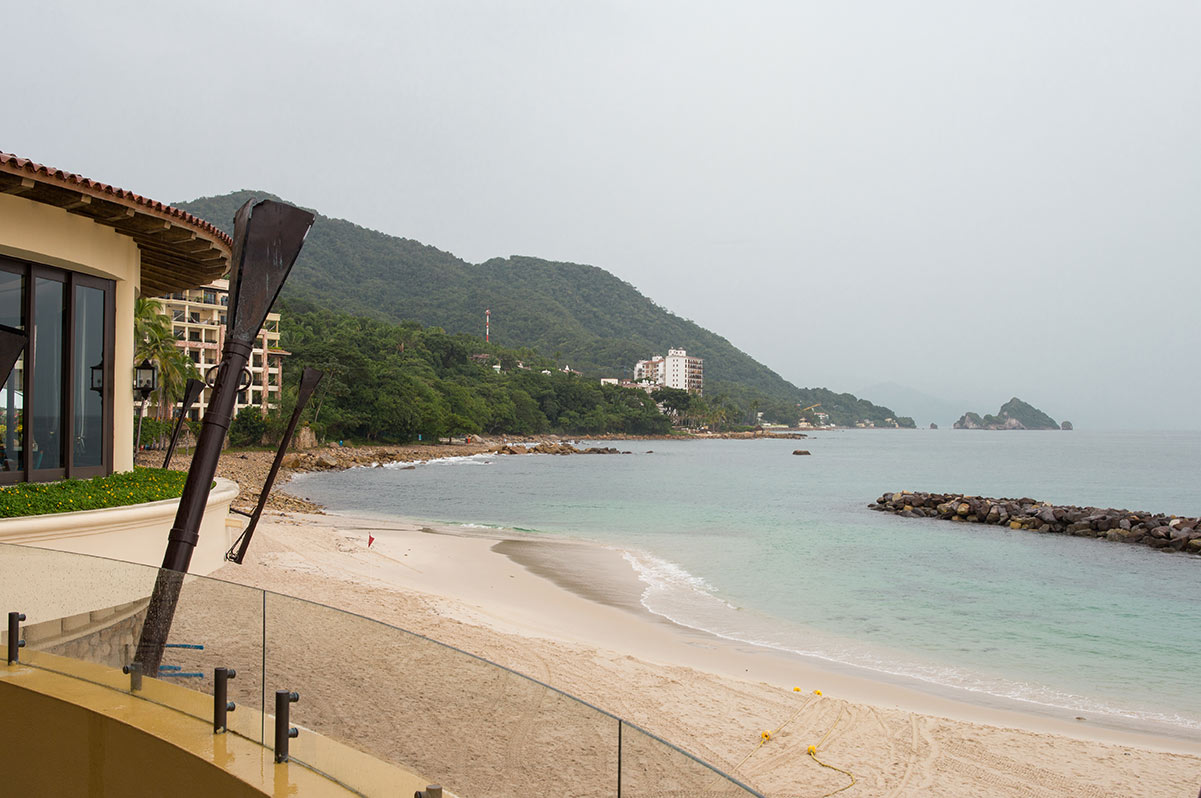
<point x="677" y="370"/>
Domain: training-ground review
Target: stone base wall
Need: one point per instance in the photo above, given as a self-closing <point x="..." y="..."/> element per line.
<point x="105" y="637"/>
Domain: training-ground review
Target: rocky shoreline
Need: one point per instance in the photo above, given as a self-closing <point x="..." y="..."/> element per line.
<point x="249" y="468"/>
<point x="1164" y="532"/>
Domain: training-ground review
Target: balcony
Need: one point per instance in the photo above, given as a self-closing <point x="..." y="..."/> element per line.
<point x="380" y="710"/>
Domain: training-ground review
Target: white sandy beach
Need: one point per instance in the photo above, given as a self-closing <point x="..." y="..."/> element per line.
<point x="539" y="607"/>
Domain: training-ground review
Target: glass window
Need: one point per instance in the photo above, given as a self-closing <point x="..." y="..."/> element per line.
<point x="88" y="404"/>
<point x="56" y="404"/>
<point x="46" y="408"/>
<point x="12" y="314"/>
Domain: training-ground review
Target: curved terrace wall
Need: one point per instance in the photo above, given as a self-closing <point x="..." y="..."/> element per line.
<point x="135" y="533"/>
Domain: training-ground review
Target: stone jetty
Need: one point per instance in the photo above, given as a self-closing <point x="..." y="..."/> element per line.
<point x="1165" y="532"/>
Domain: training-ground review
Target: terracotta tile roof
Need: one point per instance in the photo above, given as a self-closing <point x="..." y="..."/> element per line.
<point x="32" y="168"/>
<point x="179" y="250"/>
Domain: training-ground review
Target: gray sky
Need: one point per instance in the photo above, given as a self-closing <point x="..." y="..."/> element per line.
<point x="975" y="200"/>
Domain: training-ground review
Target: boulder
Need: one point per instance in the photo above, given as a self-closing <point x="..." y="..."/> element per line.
<point x="304" y="438"/>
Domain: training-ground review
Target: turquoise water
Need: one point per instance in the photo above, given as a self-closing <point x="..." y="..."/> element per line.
<point x="742" y="539"/>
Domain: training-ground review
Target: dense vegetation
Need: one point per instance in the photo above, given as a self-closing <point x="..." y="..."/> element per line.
<point x="398" y="382"/>
<point x="578" y="315"/>
<point x="69" y="495"/>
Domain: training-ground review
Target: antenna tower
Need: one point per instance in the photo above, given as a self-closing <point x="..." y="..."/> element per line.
<point x="488" y="325"/>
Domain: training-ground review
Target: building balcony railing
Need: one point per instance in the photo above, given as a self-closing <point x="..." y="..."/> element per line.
<point x="473" y="726"/>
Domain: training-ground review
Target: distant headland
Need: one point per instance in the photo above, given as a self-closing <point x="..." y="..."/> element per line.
<point x="1014" y="414"/>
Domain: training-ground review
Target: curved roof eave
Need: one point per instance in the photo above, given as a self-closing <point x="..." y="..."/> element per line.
<point x="178" y="250"/>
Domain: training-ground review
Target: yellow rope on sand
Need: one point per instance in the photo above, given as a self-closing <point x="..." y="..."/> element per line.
<point x="813" y="755"/>
<point x="767" y="735"/>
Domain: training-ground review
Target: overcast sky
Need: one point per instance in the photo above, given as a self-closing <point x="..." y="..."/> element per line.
<point x="974" y="200"/>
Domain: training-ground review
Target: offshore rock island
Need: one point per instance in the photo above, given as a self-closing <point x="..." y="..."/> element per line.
<point x="1159" y="531"/>
<point x="1014" y="414"/>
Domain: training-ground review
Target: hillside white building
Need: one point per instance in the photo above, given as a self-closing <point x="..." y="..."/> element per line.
<point x="677" y="370"/>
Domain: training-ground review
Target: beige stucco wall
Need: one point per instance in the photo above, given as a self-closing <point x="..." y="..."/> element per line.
<point x="137" y="533"/>
<point x="44" y="234"/>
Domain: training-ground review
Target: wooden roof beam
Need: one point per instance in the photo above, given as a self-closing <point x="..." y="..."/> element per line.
<point x="177" y="235"/>
<point x="18" y="186"/>
<point x="80" y="201"/>
<point x="120" y="216"/>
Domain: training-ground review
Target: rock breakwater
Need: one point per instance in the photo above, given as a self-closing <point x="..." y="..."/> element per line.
<point x="1159" y="531"/>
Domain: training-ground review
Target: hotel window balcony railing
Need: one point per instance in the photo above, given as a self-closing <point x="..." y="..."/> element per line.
<point x="481" y="730"/>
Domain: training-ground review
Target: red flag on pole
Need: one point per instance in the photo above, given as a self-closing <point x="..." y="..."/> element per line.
<point x="370" y="539"/>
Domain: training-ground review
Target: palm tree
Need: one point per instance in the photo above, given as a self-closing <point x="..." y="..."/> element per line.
<point x="154" y="340"/>
<point x="175" y="368"/>
<point x="152" y="330"/>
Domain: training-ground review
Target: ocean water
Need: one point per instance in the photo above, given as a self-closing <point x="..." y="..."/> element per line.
<point x="744" y="540"/>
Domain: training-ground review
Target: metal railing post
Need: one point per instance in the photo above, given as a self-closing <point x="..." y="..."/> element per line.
<point x="620" y="724"/>
<point x="221" y="703"/>
<point x="15" y="643"/>
<point x="134" y="669"/>
<point x="283" y="732"/>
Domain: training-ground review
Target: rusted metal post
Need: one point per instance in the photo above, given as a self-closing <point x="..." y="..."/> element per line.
<point x="267" y="240"/>
<point x="190" y="395"/>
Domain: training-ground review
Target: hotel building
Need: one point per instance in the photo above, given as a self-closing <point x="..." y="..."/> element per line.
<point x="198" y="318"/>
<point x="677" y="370"/>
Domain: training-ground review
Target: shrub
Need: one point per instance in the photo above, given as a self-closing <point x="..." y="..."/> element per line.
<point x="155" y="433"/>
<point x="248" y="428"/>
<point x="117" y="490"/>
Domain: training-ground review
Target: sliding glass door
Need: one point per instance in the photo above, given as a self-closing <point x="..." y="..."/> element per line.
<point x="56" y="404"/>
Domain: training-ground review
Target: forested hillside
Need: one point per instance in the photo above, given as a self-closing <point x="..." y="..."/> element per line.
<point x="394" y="382"/>
<point x="578" y="315"/>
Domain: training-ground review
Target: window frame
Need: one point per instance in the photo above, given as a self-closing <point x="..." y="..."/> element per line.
<point x="70" y="279"/>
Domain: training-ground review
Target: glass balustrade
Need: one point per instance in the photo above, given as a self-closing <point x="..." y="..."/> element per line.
<point x="365" y="688"/>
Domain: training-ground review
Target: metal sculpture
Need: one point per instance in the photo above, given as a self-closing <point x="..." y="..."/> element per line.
<point x="12" y="343"/>
<point x="190" y="394"/>
<point x="267" y="239"/>
<point x="308" y="383"/>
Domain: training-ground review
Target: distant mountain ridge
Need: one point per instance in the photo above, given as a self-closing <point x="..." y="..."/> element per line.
<point x="923" y="407"/>
<point x="580" y="315"/>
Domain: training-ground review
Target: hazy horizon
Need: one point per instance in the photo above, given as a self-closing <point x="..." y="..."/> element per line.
<point x="972" y="202"/>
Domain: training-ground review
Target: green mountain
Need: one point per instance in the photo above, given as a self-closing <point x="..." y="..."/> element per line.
<point x="579" y="315"/>
<point x="1014" y="414"/>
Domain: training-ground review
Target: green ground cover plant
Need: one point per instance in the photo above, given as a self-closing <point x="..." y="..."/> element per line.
<point x="118" y="490"/>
